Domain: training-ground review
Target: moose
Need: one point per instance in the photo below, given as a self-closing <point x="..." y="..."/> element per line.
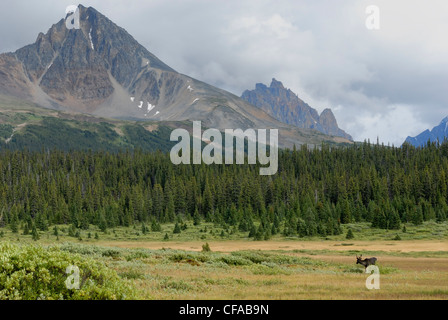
<point x="365" y="262"/>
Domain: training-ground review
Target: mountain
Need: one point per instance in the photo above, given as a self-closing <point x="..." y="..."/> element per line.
<point x="285" y="106"/>
<point x="101" y="70"/>
<point x="24" y="125"/>
<point x="438" y="133"/>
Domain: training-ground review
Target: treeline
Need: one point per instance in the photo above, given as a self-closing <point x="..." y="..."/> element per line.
<point x="314" y="192"/>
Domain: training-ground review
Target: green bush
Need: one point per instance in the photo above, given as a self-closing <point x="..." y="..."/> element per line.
<point x="259" y="257"/>
<point x="138" y="254"/>
<point x="206" y="247"/>
<point x="235" y="261"/>
<point x="33" y="272"/>
<point x="112" y="253"/>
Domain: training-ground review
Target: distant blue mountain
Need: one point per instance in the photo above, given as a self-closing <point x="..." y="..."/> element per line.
<point x="438" y="133"/>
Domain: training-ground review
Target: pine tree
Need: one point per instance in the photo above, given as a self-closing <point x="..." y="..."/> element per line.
<point x="302" y="229"/>
<point x="252" y="231"/>
<point x="170" y="207"/>
<point x="26" y="229"/>
<point x="417" y="216"/>
<point x="259" y="235"/>
<point x="196" y="218"/>
<point x="34" y="233"/>
<point x="144" y="228"/>
<point x="102" y="223"/>
<point x="176" y="228"/>
<point x="14" y="225"/>
<point x="350" y="234"/>
<point x="346" y="212"/>
<point x="393" y="220"/>
<point x="155" y="226"/>
<point x="208" y="202"/>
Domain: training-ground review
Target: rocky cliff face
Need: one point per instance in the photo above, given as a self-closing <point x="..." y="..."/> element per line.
<point x="101" y="69"/>
<point x="284" y="105"/>
<point x="79" y="68"/>
<point x="330" y="126"/>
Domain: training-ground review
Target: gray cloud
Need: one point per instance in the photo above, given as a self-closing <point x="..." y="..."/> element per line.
<point x="389" y="83"/>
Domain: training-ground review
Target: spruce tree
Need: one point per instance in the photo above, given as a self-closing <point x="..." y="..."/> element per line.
<point x="350" y="234"/>
<point x="14" y="225"/>
<point x="34" y="233"/>
<point x="417" y="216"/>
<point x="55" y="231"/>
<point x="196" y="218"/>
<point x="176" y="228"/>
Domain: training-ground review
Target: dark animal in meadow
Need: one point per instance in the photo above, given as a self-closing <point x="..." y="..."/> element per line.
<point x="365" y="262"/>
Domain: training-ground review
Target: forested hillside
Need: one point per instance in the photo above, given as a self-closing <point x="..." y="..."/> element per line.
<point x="313" y="193"/>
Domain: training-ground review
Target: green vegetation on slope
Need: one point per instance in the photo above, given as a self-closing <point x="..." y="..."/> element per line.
<point x="62" y="134"/>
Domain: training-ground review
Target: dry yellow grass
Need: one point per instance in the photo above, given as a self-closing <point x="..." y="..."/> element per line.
<point x="187" y="282"/>
<point x="229" y="245"/>
<point x="405" y="277"/>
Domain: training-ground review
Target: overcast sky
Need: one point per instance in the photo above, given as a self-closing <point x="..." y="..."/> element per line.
<point x="387" y="83"/>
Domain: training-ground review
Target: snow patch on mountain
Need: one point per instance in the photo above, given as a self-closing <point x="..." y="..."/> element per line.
<point x="90" y="37"/>
<point x="150" y="107"/>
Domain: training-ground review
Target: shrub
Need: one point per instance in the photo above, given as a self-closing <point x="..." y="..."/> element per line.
<point x="235" y="261"/>
<point x="33" y="272"/>
<point x="112" y="253"/>
<point x="138" y="254"/>
<point x="206" y="247"/>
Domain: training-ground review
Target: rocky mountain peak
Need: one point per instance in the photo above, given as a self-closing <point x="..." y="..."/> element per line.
<point x="284" y="105"/>
<point x="100" y="69"/>
<point x="276" y="84"/>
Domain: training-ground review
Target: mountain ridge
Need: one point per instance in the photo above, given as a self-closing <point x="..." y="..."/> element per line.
<point x="100" y="69"/>
<point x="285" y="106"/>
<point x="436" y="134"/>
